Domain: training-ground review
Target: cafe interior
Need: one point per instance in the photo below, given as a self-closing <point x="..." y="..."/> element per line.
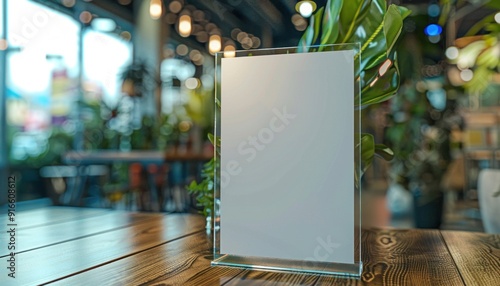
<point x="109" y="104"/>
<point x="125" y="76"/>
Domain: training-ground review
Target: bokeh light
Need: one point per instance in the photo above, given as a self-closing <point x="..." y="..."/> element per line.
<point x="452" y="52"/>
<point x="229" y="51"/>
<point x="175" y="6"/>
<point x="466" y="75"/>
<point x="214" y="45"/>
<point x="192" y="83"/>
<point x="85" y="17"/>
<point x="433" y="10"/>
<point x="433" y="30"/>
<point x="185" y="25"/>
<point x="3" y="45"/>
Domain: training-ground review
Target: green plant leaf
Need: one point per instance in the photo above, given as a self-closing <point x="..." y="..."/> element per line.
<point x="306" y="40"/>
<point x="476" y="28"/>
<point x="480" y="80"/>
<point x="214" y="140"/>
<point x="383" y="89"/>
<point x="393" y="25"/>
<point x="351" y="15"/>
<point x="371" y="36"/>
<point x="489" y="57"/>
<point x="384" y="152"/>
<point x="492" y="27"/>
<point x="446" y="6"/>
<point x="331" y="17"/>
<point x="311" y="34"/>
<point x="493" y="4"/>
<point x="367" y="151"/>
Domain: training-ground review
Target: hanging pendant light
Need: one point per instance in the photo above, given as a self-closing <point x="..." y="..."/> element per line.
<point x="155" y="9"/>
<point x="229" y="51"/>
<point x="214" y="44"/>
<point x="305" y="8"/>
<point x="185" y="26"/>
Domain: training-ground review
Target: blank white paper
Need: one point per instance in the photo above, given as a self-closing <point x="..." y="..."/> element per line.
<point x="287" y="156"/>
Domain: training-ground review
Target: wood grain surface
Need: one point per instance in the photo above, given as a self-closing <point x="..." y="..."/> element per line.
<point x="51" y="263"/>
<point x="101" y="247"/>
<point x="47" y="216"/>
<point x="403" y="257"/>
<point x="58" y="232"/>
<point x="477" y="256"/>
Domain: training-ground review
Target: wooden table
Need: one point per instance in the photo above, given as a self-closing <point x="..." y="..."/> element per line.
<point x="76" y="246"/>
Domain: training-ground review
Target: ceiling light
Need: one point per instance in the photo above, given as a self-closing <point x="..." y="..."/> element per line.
<point x="175" y="6"/>
<point x="182" y="50"/>
<point x="155" y="9"/>
<point x="195" y="56"/>
<point x="229" y="51"/>
<point x="255" y="42"/>
<point x="85" y="17"/>
<point x="241" y="36"/>
<point x="185" y="26"/>
<point x="68" y="3"/>
<point x="246" y="43"/>
<point x="214" y="44"/>
<point x="234" y="33"/>
<point x="305" y="8"/>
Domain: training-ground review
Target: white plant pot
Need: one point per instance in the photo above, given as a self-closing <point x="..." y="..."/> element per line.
<point x="489" y="204"/>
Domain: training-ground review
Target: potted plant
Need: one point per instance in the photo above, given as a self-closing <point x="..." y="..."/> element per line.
<point x="419" y="135"/>
<point x="377" y="28"/>
<point x="421" y="120"/>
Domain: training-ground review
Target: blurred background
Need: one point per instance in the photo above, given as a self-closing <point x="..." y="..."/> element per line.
<point x="94" y="93"/>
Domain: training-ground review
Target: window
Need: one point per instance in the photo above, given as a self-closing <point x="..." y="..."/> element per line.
<point x="42" y="75"/>
<point x="116" y="53"/>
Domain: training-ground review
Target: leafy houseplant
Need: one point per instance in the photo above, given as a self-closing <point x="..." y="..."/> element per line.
<point x="368" y="22"/>
<point x="419" y="131"/>
<point x="377" y="28"/>
<point x="419" y="134"/>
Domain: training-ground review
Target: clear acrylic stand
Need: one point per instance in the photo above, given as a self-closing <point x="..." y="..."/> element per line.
<point x="287" y="197"/>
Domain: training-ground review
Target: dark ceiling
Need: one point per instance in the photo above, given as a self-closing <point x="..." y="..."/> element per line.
<point x="261" y="18"/>
<point x="270" y="20"/>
